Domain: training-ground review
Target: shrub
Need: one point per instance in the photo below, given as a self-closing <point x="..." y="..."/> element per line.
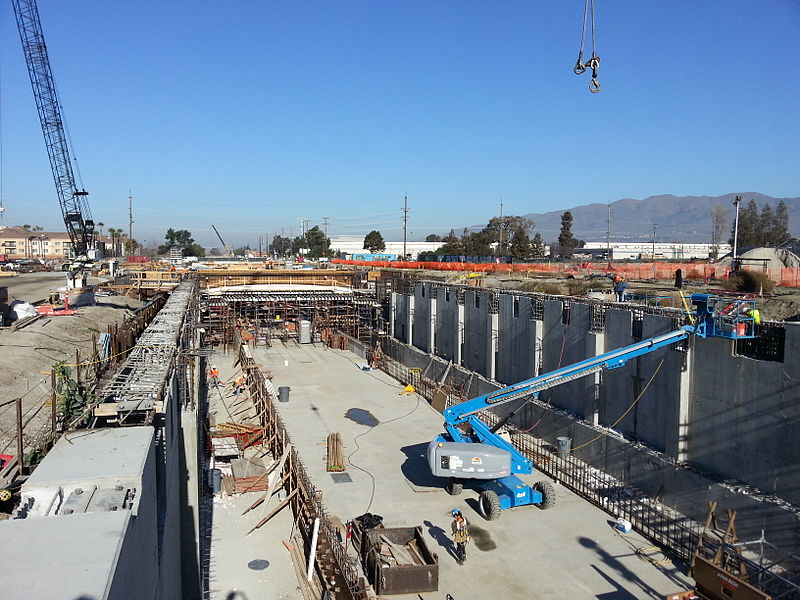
<point x="749" y="281"/>
<point x="578" y="288"/>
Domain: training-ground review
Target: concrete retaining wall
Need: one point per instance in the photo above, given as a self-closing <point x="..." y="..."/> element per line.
<point x="735" y="417"/>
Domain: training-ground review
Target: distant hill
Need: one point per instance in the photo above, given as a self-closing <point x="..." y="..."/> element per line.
<point x="679" y="218"/>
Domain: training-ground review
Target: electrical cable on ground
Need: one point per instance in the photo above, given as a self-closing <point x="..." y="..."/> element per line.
<point x="363" y="433"/>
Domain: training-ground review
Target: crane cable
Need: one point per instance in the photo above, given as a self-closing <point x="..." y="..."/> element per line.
<point x="594" y="62"/>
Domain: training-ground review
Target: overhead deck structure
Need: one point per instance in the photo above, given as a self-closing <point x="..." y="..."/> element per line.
<point x="133" y="394"/>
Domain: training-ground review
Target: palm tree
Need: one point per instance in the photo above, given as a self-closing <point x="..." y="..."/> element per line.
<point x="113" y="233"/>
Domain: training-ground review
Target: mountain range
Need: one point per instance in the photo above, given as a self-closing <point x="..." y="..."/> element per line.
<point x="677" y="218"/>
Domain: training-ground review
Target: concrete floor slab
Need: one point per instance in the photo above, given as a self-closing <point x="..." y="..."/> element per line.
<point x="566" y="553"/>
<point x="256" y="566"/>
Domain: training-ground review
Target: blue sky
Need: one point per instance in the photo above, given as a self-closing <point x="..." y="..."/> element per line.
<point x="254" y="114"/>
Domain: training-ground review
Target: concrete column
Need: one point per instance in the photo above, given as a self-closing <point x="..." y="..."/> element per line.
<point x="597" y="344"/>
<point x="681" y="450"/>
<point x="432" y="324"/>
<point x="392" y="313"/>
<point x="460" y="337"/>
<point x="491" y="360"/>
<point x="411" y="300"/>
<point x="539" y="346"/>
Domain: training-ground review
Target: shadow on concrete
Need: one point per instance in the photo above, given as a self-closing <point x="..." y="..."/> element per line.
<point x="618" y="594"/>
<point x="621" y="573"/>
<point x="441" y="538"/>
<point x="415" y="468"/>
<point x="476" y="506"/>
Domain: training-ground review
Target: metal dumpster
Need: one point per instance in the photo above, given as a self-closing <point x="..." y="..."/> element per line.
<point x="397" y="560"/>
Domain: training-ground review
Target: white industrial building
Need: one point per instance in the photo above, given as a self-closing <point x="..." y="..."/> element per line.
<point x="663" y="251"/>
<point x="355" y="245"/>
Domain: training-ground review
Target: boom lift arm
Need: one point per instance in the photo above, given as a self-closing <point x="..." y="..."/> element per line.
<point x="471" y="449"/>
<point x="74" y="207"/>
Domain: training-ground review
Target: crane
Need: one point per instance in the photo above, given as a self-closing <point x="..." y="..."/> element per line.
<point x="73" y="202"/>
<point x="228" y="251"/>
<point x="472" y="450"/>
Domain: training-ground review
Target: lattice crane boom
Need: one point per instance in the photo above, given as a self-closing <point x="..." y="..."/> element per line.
<point x="74" y="206"/>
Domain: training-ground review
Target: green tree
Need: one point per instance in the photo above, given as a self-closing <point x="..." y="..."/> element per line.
<point x="566" y="241"/>
<point x="317" y="242"/>
<point x="280" y="245"/>
<point x="476" y="243"/>
<point x="114" y="233"/>
<point x="373" y="241"/>
<point x="181" y="238"/>
<point x="452" y="244"/>
<point x="537" y="246"/>
<point x="432" y="237"/>
<point x="766" y="226"/>
<point x="195" y="250"/>
<point x="520" y="244"/>
<point x="749" y="223"/>
<point x="780" y="231"/>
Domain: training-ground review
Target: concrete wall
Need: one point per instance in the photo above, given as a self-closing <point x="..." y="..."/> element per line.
<point x="733" y="416"/>
<point x="446" y="339"/>
<point x="745" y="416"/>
<point x="477" y="333"/>
<point x="516" y="348"/>
<point x="421" y="332"/>
<point x="171" y="480"/>
<point x="401" y="319"/>
<point x="137" y="566"/>
<point x="566" y="344"/>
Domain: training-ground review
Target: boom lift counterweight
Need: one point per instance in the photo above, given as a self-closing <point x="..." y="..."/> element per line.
<point x="472" y="450"/>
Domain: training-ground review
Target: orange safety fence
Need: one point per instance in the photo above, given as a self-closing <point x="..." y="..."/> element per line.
<point x="786" y="276"/>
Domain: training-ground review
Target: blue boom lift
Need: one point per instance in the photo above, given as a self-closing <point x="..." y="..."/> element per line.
<point x="472" y="450"/>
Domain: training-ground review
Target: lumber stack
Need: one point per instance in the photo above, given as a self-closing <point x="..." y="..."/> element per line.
<point x="335" y="459"/>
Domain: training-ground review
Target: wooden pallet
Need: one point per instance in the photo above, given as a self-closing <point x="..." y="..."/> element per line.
<point x="335" y="461"/>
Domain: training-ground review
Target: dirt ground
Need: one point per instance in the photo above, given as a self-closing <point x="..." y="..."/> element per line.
<point x="27" y="355"/>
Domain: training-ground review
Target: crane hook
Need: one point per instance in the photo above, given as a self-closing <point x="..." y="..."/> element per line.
<point x="594" y="64"/>
<point x="580" y="67"/>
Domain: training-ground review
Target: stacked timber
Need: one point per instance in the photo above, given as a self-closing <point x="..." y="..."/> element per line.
<point x="335" y="460"/>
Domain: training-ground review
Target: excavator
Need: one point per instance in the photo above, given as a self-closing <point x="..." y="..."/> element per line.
<point x="74" y="206"/>
<point x="471" y="451"/>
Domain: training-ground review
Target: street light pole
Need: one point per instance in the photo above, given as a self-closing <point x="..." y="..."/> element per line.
<point x="736" y="230"/>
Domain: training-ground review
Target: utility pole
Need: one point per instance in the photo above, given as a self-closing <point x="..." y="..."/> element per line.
<point x="736" y="230"/>
<point x="405" y="225"/>
<point x="325" y="242"/>
<point x="303" y="240"/>
<point x="608" y="234"/>
<point x="654" y="241"/>
<point x="130" y="222"/>
<point x="500" y="244"/>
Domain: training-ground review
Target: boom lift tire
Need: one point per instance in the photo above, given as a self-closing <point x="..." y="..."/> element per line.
<point x="490" y="505"/>
<point x="548" y="494"/>
<point x="454" y="487"/>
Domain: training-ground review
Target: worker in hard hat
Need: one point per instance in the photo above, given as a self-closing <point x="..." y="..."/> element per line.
<point x="620" y="285"/>
<point x="460" y="528"/>
<point x="239" y="385"/>
<point x="213" y="376"/>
